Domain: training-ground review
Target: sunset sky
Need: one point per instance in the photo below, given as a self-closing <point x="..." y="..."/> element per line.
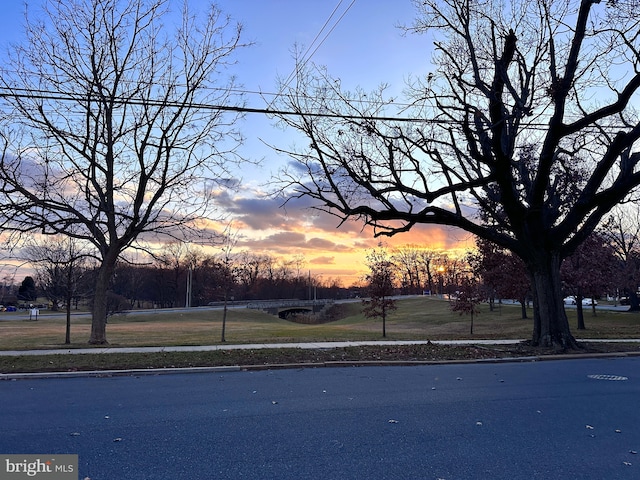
<point x="363" y="47"/>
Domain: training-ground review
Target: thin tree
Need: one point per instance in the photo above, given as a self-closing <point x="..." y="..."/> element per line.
<point x="106" y="139"/>
<point x="526" y="116"/>
<point x="467" y="299"/>
<point x="229" y="273"/>
<point x="381" y="285"/>
<point x="59" y="263"/>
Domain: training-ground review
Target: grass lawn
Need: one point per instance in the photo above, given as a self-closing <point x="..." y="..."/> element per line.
<point x="417" y="318"/>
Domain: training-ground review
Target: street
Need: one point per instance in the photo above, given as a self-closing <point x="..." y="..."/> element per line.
<point x="540" y="420"/>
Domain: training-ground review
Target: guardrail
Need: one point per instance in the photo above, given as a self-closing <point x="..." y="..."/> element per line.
<point x="265" y="304"/>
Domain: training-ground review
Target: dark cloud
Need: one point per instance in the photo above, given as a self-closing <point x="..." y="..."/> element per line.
<point x="261" y="213"/>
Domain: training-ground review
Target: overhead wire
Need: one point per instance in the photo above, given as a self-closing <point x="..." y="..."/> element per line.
<point x="63" y="97"/>
<point x="57" y="96"/>
<point x="306" y="56"/>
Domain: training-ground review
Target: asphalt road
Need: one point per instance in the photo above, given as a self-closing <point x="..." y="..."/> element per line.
<point x="545" y="420"/>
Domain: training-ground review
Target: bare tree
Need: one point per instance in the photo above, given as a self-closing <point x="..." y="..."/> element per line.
<point x="526" y="117"/>
<point x="408" y="259"/>
<point x="380" y="285"/>
<point x="502" y="273"/>
<point x="467" y="299"/>
<point x="59" y="264"/>
<point x="229" y="273"/>
<point x="108" y="136"/>
<point x="622" y="230"/>
<point x="588" y="272"/>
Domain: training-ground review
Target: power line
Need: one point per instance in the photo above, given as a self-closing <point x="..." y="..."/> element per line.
<point x="303" y="61"/>
<point x="244" y="91"/>
<point x="56" y="96"/>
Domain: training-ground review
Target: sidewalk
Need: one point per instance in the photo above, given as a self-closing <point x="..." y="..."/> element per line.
<point x="256" y="346"/>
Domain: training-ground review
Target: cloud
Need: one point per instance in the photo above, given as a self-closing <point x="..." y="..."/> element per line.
<point x="324" y="260"/>
<point x="330" y="248"/>
<point x="283" y="239"/>
<point x="326" y="244"/>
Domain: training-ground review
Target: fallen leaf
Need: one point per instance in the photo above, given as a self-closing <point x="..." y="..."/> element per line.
<point x="274" y="402"/>
<point x="75" y="434"/>
<point x="393" y="421"/>
<point x="479" y="424"/>
<point x="589" y="427"/>
<point x="633" y="452"/>
<point x="618" y="431"/>
<point x="628" y="464"/>
<point x="119" y="439"/>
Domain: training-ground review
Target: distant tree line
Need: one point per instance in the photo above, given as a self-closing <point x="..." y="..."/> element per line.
<point x="606" y="264"/>
<point x="181" y="275"/>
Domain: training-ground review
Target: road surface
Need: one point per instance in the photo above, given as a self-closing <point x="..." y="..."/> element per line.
<point x="572" y="419"/>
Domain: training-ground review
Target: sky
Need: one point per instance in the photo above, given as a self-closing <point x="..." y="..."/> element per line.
<point x="364" y="48"/>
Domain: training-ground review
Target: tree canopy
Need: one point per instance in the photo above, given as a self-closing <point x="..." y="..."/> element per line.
<point x="526" y="116"/>
<point x="104" y="135"/>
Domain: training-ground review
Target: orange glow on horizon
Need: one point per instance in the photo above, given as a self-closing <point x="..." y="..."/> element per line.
<point x="340" y="255"/>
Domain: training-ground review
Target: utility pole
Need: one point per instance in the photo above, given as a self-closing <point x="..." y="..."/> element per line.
<point x="189" y="286"/>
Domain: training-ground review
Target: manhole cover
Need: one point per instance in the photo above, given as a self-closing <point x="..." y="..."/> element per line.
<point x="608" y="377"/>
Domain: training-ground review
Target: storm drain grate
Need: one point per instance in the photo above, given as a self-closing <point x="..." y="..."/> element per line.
<point x="608" y="377"/>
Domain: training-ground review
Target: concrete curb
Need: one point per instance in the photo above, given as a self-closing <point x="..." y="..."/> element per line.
<point x="329" y="364"/>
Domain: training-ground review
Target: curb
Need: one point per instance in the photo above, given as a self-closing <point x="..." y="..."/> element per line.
<point x="135" y="372"/>
<point x="284" y="366"/>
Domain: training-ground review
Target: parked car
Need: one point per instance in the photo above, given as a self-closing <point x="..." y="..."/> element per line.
<point x="11" y="308"/>
<point x="625" y="301"/>
<point x="571" y="300"/>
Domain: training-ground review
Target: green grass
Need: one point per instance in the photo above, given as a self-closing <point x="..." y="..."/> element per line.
<point x="418" y="318"/>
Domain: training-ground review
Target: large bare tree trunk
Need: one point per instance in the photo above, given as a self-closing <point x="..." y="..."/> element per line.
<point x="550" y="322"/>
<point x="99" y="313"/>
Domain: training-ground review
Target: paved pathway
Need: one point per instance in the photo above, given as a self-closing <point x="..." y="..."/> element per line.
<point x="256" y="346"/>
